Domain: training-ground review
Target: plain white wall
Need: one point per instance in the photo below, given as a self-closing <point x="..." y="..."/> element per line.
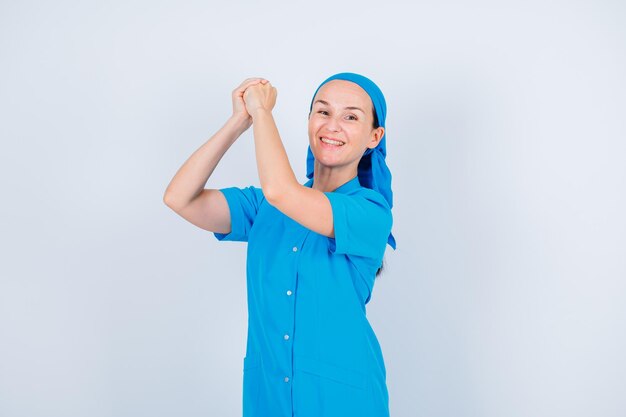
<point x="506" y="140"/>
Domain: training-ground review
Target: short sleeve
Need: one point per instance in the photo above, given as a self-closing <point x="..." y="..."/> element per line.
<point x="362" y="223"/>
<point x="244" y="205"/>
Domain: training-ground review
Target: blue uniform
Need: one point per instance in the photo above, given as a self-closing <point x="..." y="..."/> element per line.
<point x="311" y="351"/>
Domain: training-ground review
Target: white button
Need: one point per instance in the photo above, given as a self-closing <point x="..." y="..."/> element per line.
<point x="286" y="379"/>
<point x="289" y="292"/>
<point x="286" y="337"/>
<point x="295" y="249"/>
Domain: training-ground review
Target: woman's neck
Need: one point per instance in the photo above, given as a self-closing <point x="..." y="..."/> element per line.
<point x="328" y="179"/>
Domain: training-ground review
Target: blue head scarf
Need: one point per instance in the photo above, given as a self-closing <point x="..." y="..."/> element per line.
<point x="372" y="170"/>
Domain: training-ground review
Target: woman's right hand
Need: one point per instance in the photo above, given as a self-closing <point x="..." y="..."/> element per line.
<point x="239" y="105"/>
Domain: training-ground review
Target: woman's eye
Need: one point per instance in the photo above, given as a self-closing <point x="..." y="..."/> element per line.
<point x="352" y="115"/>
<point x="322" y="111"/>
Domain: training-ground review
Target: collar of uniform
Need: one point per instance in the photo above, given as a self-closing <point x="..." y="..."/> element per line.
<point x="350" y="185"/>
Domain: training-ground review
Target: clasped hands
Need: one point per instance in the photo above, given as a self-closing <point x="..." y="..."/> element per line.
<point x="252" y="96"/>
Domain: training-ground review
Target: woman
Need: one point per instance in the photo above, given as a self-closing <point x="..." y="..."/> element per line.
<point x="314" y="249"/>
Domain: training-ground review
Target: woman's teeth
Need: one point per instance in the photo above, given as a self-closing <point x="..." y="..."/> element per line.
<point x="332" y="142"/>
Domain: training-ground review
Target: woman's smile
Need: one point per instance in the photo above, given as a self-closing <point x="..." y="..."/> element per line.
<point x="329" y="143"/>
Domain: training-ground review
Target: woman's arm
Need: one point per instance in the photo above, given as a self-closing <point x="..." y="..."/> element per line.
<point x="307" y="206"/>
<point x="192" y="176"/>
<point x="185" y="194"/>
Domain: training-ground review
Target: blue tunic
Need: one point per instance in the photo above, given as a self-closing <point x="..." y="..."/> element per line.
<point x="311" y="351"/>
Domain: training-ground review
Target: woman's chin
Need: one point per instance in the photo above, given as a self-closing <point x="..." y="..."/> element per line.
<point x="330" y="163"/>
<point x="328" y="158"/>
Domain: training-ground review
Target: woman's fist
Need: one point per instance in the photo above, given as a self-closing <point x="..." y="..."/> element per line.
<point x="239" y="106"/>
<point x="259" y="96"/>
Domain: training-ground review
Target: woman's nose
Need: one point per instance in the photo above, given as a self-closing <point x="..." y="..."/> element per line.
<point x="332" y="124"/>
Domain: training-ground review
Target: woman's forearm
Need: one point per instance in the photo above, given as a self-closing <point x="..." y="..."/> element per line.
<point x="275" y="172"/>
<point x="192" y="176"/>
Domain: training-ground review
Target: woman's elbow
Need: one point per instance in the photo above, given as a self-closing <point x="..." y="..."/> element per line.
<point x="172" y="202"/>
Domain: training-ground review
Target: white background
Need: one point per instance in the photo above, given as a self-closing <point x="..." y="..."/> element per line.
<point x="507" y="143"/>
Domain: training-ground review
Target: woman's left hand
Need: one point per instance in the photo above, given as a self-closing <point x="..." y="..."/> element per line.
<point x="261" y="96"/>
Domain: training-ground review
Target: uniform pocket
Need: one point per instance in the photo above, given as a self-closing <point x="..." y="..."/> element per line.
<point x="352" y="377"/>
<point x="251" y="384"/>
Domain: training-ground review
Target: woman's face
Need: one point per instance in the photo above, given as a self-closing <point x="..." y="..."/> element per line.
<point x="342" y="111"/>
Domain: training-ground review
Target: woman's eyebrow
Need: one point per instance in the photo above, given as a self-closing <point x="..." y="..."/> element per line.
<point x="347" y="108"/>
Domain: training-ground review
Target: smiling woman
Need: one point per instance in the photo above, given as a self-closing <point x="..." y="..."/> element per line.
<point x="314" y="248"/>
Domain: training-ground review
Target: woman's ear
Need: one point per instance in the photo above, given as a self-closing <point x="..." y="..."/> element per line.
<point x="377" y="135"/>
